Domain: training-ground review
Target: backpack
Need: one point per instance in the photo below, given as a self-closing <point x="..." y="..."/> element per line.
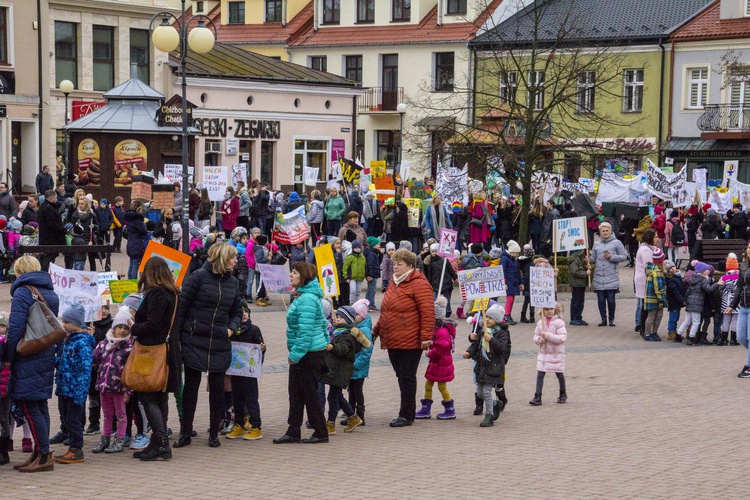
<point x="677" y="236"/>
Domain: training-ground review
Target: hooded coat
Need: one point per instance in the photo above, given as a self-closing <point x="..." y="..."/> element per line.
<point x="315" y="215"/>
<point x="355" y="202"/>
<point x="136" y="246"/>
<point x="551" y="357"/>
<point x="231" y="209"/>
<point x="362" y="359"/>
<point x="347" y="342"/>
<point x="479" y="231"/>
<point x="605" y="272"/>
<point x="293" y="203"/>
<point x="490" y="366"/>
<point x="400" y="223"/>
<point x="109" y="365"/>
<point x="699" y="288"/>
<point x="440" y="354"/>
<point x="334" y="208"/>
<point x="512" y="273"/>
<point x="73" y="375"/>
<point x="307" y="327"/>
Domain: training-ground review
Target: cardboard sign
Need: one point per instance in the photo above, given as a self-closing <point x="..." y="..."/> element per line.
<point x="177" y="261"/>
<point x="542" y="287"/>
<point x="480" y="305"/>
<point x="276" y="278"/>
<point x="448" y="238"/>
<point x="247" y="360"/>
<point x="77" y="287"/>
<point x="291" y="228"/>
<point x="488" y="282"/>
<point x="569" y="234"/>
<point x="327" y="272"/>
<point x="384" y="188"/>
<point x="120" y="289"/>
<point x="377" y="168"/>
<point x="215" y="181"/>
<point x="414" y="205"/>
<point x="174" y="173"/>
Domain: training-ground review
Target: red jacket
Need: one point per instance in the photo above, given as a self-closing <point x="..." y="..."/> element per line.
<point x="440" y="368"/>
<point x="407" y="314"/>
<point x="660" y="224"/>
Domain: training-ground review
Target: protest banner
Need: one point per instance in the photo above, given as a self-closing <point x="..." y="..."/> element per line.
<point x="480" y="283"/>
<point x="377" y="168"/>
<point x="173" y="173"/>
<point x="569" y="234"/>
<point x="247" y="360"/>
<point x="661" y="184"/>
<point x="384" y="187"/>
<point x="276" y="278"/>
<point x="215" y="181"/>
<point x="177" y="261"/>
<point x="542" y="287"/>
<point x="414" y="206"/>
<point x="720" y="200"/>
<point x="77" y="287"/>
<point x="364" y="182"/>
<point x="311" y="176"/>
<point x="336" y="171"/>
<point x="683" y="196"/>
<point x="741" y="191"/>
<point x="349" y="170"/>
<point x="120" y="289"/>
<point x="104" y="279"/>
<point x="448" y="238"/>
<point x="239" y="174"/>
<point x="291" y="228"/>
<point x="452" y="183"/>
<point x="327" y="273"/>
<point x="699" y="177"/>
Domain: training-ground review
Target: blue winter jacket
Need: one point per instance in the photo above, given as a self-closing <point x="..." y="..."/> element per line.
<point x="73" y="375"/>
<point x="136" y="234"/>
<point x="362" y="358"/>
<point x="372" y="264"/>
<point x="31" y="377"/>
<point x="512" y="273"/>
<point x="307" y="328"/>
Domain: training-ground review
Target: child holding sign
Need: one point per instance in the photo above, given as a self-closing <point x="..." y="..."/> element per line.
<point x="550" y="335"/>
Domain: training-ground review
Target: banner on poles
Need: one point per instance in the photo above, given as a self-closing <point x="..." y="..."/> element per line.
<point x="480" y="283"/>
<point x="77" y="287"/>
<point x="275" y="278"/>
<point x="448" y="238"/>
<point x="683" y="196"/>
<point x="291" y="228"/>
<point x="542" y="287"/>
<point x="247" y="360"/>
<point x="569" y="234"/>
<point x="661" y="184"/>
<point x="349" y="170"/>
<point x="327" y="272"/>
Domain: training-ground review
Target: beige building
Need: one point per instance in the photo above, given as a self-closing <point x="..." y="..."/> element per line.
<point x="92" y="43"/>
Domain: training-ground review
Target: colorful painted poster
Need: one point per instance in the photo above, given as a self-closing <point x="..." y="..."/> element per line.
<point x="377" y="168"/>
<point x="350" y="170"/>
<point x="542" y="287"/>
<point x="77" y="287"/>
<point x="291" y="228"/>
<point x="173" y="173"/>
<point x="276" y="278"/>
<point x="120" y="289"/>
<point x="177" y="261"/>
<point x="414" y="205"/>
<point x="239" y="174"/>
<point x="448" y="238"/>
<point x="215" y="181"/>
<point x="481" y="283"/>
<point x="247" y="360"/>
<point x="327" y="273"/>
<point x="569" y="234"/>
<point x="89" y="166"/>
<point x="130" y="157"/>
<point x="384" y="188"/>
<point x="338" y="148"/>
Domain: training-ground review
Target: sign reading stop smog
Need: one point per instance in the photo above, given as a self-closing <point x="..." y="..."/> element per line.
<point x="487" y="282"/>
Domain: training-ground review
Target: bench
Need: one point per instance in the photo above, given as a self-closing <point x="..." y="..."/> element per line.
<point x="714" y="252"/>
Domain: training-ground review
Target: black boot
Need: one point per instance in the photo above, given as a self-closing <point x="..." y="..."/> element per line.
<point x="733" y="340"/>
<point x="4" y="458"/>
<point x="480" y="405"/>
<point x="702" y="340"/>
<point x="159" y="451"/>
<point x="563" y="398"/>
<point x="723" y="339"/>
<point x="361" y="414"/>
<point x="537" y="401"/>
<point x="501" y="397"/>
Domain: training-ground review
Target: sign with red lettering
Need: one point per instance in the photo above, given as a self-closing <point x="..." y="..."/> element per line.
<point x="82" y="108"/>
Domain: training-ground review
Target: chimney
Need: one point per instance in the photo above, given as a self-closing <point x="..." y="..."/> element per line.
<point x="133" y="71"/>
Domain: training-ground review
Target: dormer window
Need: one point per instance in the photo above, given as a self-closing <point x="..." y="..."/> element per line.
<point x="331" y="11"/>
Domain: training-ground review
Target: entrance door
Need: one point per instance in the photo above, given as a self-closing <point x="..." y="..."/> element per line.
<point x="390" y="82"/>
<point x="739" y="109"/>
<point x="15" y="157"/>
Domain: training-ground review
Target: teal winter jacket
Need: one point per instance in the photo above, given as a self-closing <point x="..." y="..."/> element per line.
<point x="307" y="328"/>
<point x="362" y="358"/>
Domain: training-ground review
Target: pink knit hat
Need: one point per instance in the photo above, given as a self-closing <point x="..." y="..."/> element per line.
<point x="361" y="307"/>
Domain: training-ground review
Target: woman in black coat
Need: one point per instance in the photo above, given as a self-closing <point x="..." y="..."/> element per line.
<point x="210" y="312"/>
<point x="400" y="224"/>
<point x="153" y="322"/>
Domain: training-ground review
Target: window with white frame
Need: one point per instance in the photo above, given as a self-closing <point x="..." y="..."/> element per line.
<point x="697" y="88"/>
<point x="5" y="24"/>
<point x="319" y="62"/>
<point x="535" y="82"/>
<point x="633" y="92"/>
<point x="508" y="86"/>
<point x="747" y="8"/>
<point x="585" y="96"/>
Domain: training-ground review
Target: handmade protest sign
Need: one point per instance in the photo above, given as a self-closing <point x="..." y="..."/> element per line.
<point x="311" y="176"/>
<point x="215" y="181"/>
<point x="349" y="170"/>
<point x="239" y="174"/>
<point x="569" y="234"/>
<point x="291" y="228"/>
<point x="488" y="282"/>
<point x="327" y="273"/>
<point x="661" y="184"/>
<point x="683" y="196"/>
<point x="480" y="305"/>
<point x="384" y="187"/>
<point x="542" y="287"/>
<point x="448" y="238"/>
<point x="120" y="289"/>
<point x="104" y="279"/>
<point x="452" y="183"/>
<point x="177" y="261"/>
<point x="173" y="173"/>
<point x="276" y="278"/>
<point x="699" y="177"/>
<point x="247" y="360"/>
<point x="413" y="205"/>
<point x="377" y="168"/>
<point x="77" y="287"/>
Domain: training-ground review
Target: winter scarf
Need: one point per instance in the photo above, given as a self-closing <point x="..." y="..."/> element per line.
<point x="398" y="280"/>
<point x="437" y="217"/>
<point x="113" y="341"/>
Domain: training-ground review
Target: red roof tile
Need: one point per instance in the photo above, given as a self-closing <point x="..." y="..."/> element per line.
<point x="708" y="25"/>
<point x="427" y="31"/>
<point x="266" y="33"/>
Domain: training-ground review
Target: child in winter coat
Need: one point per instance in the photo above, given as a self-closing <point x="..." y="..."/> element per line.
<point x="675" y="298"/>
<point x="355" y="271"/>
<point x="512" y="277"/>
<point x="4" y="399"/>
<point x="361" y="361"/>
<point x="98" y="329"/>
<point x="196" y="239"/>
<point x="347" y="341"/>
<point x="240" y="270"/>
<point x="700" y="286"/>
<point x="245" y="389"/>
<point x="550" y="335"/>
<point x="339" y="256"/>
<point x="250" y="259"/>
<point x="489" y="351"/>
<point x="728" y="284"/>
<point x="711" y="310"/>
<point x="262" y="256"/>
<point x="656" y="296"/>
<point x="440" y="367"/>
<point x="386" y="267"/>
<point x="372" y="269"/>
<point x="579" y="271"/>
<point x="109" y="360"/>
<point x="72" y="380"/>
<point x="472" y="260"/>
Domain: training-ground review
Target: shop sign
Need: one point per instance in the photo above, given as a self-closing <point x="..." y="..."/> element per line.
<point x="88" y="163"/>
<point x="242" y="129"/>
<point x="130" y="155"/>
<point x="82" y="108"/>
<point x="169" y="113"/>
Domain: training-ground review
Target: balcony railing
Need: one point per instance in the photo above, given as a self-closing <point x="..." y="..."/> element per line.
<point x="378" y="100"/>
<point x="725" y="118"/>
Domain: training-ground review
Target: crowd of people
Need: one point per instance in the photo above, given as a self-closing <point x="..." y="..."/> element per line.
<point x="330" y="341"/>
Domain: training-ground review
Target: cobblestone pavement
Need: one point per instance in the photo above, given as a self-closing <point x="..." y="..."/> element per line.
<point x="643" y="420"/>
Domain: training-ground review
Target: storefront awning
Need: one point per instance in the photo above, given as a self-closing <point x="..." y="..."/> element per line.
<point x="688" y="144"/>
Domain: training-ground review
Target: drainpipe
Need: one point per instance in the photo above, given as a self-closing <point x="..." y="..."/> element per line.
<point x="283" y="12"/>
<point x="354" y="128"/>
<point x="315" y="15"/>
<point x="473" y="94"/>
<point x="40" y="73"/>
<point x="440" y="13"/>
<point x="671" y="99"/>
<point x="661" y="96"/>
<point x="470" y="78"/>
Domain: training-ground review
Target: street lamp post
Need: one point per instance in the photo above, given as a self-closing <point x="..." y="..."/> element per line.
<point x="66" y="87"/>
<point x="401" y="108"/>
<point x="201" y="40"/>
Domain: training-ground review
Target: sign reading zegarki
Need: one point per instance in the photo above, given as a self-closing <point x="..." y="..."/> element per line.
<point x="242" y="129"/>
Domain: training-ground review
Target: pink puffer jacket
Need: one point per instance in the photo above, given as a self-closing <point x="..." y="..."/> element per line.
<point x="551" y="356"/>
<point x="250" y="254"/>
<point x="440" y="368"/>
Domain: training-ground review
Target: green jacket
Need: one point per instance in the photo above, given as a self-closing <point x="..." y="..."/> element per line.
<point x="354" y="267"/>
<point x="307" y="327"/>
<point x="334" y="208"/>
<point x="577" y="270"/>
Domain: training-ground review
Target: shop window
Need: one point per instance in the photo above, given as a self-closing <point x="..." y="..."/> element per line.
<point x="456" y="7"/>
<point x="319" y="62"/>
<point x="66" y="53"/>
<point x="401" y="10"/>
<point x="388" y="145"/>
<point x="353" y="65"/>
<point x="360" y="146"/>
<point x="139" y="53"/>
<point x="331" y="11"/>
<point x="365" y="11"/>
<point x="443" y="72"/>
<point x="4" y="39"/>
<point x="273" y="11"/>
<point x="104" y="57"/>
<point x="312" y="153"/>
<point x="236" y="12"/>
<point x="266" y="162"/>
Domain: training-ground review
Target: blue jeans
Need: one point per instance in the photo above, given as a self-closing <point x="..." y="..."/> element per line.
<point x="674" y="317"/>
<point x="639" y="311"/>
<point x="250" y="279"/>
<point x="260" y="223"/>
<point x="370" y="294"/>
<point x="742" y="329"/>
<point x="133" y="269"/>
<point x="606" y="299"/>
